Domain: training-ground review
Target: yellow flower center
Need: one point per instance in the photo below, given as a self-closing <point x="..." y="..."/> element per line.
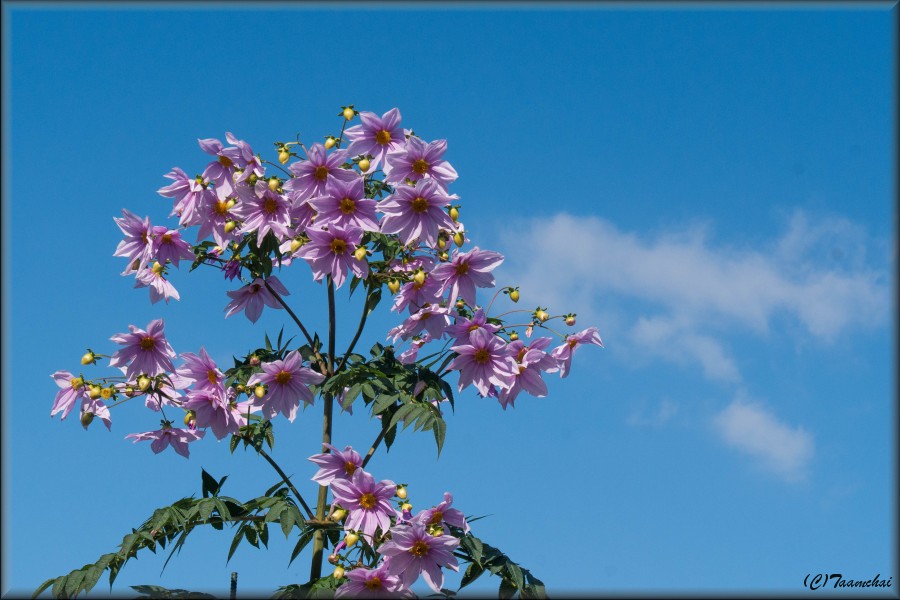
<point x="373" y="584"/>
<point x="462" y="268"/>
<point x="77" y="383"/>
<point x="221" y="208"/>
<point x="420" y="167"/>
<point x="348" y="206"/>
<point x="420" y="548"/>
<point x="383" y="137"/>
<point x="270" y="205"/>
<point x="419" y="204"/>
<point x="338" y="246"/>
<point x="211" y="375"/>
<point x="474" y="327"/>
<point x="148" y="343"/>
<point x="521" y="369"/>
<point x="436" y="518"/>
<point x="167" y="238"/>
<point x="106" y="393"/>
<point x="572" y="342"/>
<point x="283" y="377"/>
<point x="225" y="161"/>
<point x="349" y="468"/>
<point x="321" y="173"/>
<point x="481" y="356"/>
<point x="367" y="501"/>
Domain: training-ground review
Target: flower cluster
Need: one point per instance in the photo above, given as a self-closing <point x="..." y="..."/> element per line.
<point x="407" y="545"/>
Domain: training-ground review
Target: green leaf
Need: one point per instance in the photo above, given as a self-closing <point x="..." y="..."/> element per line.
<point x="238" y="536"/>
<point x="472" y="573"/>
<point x="305" y="537"/>
<point x="205" y="508"/>
<point x="507" y="589"/>
<point x="210" y="485"/>
<point x="288" y="518"/>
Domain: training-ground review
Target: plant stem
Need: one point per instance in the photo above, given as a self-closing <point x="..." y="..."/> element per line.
<point x="296" y="319"/>
<point x="373" y="448"/>
<point x="315" y="571"/>
<point x="359" y="330"/>
<point x="287" y="480"/>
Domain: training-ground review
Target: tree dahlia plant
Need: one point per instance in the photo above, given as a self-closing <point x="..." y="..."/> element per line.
<point x="377" y="214"/>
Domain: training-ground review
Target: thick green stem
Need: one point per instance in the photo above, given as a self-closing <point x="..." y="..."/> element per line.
<point x="315" y="571"/>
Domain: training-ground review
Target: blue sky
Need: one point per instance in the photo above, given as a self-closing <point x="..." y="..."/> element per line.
<point x="713" y="189"/>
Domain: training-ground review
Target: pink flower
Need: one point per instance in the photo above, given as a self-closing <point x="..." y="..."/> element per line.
<point x="530" y="362"/>
<point x="200" y="370"/>
<point x="564" y="352"/>
<point x="251" y="298"/>
<point x="160" y="287"/>
<point x="373" y="583"/>
<point x="287" y="382"/>
<point x="369" y="503"/>
<point x="144" y="351"/>
<point x="212" y="409"/>
<point x="136" y="246"/>
<point x="336" y="464"/>
<point x="344" y="204"/>
<point x="417" y="160"/>
<point x="431" y="318"/>
<point x="96" y="408"/>
<point x="466" y="271"/>
<point x="376" y="135"/>
<point x="413" y="551"/>
<point x="331" y="253"/>
<point x="311" y="176"/>
<point x="416" y="213"/>
<point x="161" y="438"/>
<point x="72" y="390"/>
<point x="168" y="245"/>
<point x="442" y="513"/>
<point x="482" y="361"/>
<point x="262" y="211"/>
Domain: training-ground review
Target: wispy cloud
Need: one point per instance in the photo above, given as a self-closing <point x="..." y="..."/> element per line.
<point x="678" y="296"/>
<point x="753" y="430"/>
<point x="644" y="416"/>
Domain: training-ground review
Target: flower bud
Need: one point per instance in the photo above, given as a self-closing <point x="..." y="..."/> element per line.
<point x="460" y="304"/>
<point x="459" y="238"/>
<point x="230" y="204"/>
<point x="129" y="391"/>
<point x="441" y="243"/>
<point x="259" y="391"/>
<point x="89" y="358"/>
<point x="77" y="383"/>
<point x="157" y="268"/>
<point x="239" y="388"/>
<point x="273" y="183"/>
<point x="444" y="256"/>
<point x="514" y="295"/>
<point x="394" y="286"/>
<point x="338" y="515"/>
<point x="541" y="315"/>
<point x="454" y="213"/>
<point x="436" y="530"/>
<point x="329" y="143"/>
<point x="106" y="393"/>
<point x="283" y="155"/>
<point x="295" y="245"/>
<point x="229" y="226"/>
<point x="570" y="320"/>
<point x="513" y="336"/>
<point x="338" y="570"/>
<point x="254" y="361"/>
<point x="251" y="181"/>
<point x="143" y="383"/>
<point x="364" y="164"/>
<point x="419" y="278"/>
<point x="406" y="506"/>
<point x="351" y="538"/>
<point x="349" y="113"/>
<point x="135" y="264"/>
<point x="333" y="559"/>
<point x="401" y="492"/>
<point x="360" y="253"/>
<point x="86" y="418"/>
<point x="188" y="417"/>
<point x="94" y="392"/>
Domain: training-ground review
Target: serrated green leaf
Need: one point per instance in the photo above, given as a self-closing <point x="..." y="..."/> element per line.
<point x="472" y="573"/>
<point x="238" y="536"/>
<point x="440" y="431"/>
<point x="305" y="537"/>
<point x="288" y="518"/>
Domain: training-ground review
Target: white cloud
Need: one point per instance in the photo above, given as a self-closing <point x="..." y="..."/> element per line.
<point x="779" y="448"/>
<point x="678" y="296"/>
<point x="642" y="417"/>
